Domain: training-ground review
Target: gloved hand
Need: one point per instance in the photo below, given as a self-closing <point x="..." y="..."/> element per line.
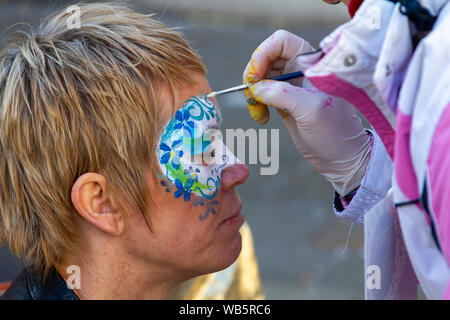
<point x="325" y="129"/>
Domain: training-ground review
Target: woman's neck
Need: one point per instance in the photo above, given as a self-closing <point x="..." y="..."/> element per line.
<point x="116" y="277"/>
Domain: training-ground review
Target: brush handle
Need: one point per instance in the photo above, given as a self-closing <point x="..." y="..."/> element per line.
<point x="289" y="76"/>
<point x="284" y="77"/>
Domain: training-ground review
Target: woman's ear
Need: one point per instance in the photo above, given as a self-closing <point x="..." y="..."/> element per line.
<point x="93" y="201"/>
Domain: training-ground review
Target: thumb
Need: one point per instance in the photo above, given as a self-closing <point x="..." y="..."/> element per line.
<point x="284" y="96"/>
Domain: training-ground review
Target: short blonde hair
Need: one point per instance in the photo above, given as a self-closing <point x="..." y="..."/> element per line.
<point x="76" y="101"/>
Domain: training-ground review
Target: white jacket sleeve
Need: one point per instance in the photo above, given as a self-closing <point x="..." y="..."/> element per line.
<point x="374" y="186"/>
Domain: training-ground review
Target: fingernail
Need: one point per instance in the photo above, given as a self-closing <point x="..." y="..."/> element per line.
<point x="251" y="73"/>
<point x="251" y="101"/>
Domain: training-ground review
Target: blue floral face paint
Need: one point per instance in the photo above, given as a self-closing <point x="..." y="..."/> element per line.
<point x="191" y="153"/>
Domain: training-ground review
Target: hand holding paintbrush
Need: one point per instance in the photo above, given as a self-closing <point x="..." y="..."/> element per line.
<point x="284" y="77"/>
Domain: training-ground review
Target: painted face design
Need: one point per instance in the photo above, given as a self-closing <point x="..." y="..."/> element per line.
<point x="191" y="152"/>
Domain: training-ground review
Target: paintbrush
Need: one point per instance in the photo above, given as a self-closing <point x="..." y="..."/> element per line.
<point x="284" y="77"/>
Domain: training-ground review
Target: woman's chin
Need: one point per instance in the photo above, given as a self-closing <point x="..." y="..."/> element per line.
<point x="222" y="258"/>
<point x="230" y="254"/>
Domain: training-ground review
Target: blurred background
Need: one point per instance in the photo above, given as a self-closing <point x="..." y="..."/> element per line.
<point x="298" y="241"/>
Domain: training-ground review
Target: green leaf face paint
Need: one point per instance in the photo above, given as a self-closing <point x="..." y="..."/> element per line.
<point x="191" y="152"/>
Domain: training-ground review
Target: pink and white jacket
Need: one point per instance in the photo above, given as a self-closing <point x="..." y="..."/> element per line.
<point x="404" y="92"/>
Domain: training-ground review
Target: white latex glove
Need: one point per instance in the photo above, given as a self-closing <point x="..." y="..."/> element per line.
<point x="325" y="129"/>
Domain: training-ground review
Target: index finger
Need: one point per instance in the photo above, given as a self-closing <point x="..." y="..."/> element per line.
<point x="280" y="45"/>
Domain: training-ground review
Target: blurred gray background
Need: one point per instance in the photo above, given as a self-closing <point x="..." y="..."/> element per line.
<point x="298" y="240"/>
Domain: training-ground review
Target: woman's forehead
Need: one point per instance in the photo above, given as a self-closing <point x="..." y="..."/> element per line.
<point x="192" y="97"/>
<point x="199" y="87"/>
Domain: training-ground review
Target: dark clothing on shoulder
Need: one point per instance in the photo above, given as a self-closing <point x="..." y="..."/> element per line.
<point x="30" y="286"/>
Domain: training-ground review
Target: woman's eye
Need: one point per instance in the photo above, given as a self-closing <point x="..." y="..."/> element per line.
<point x="208" y="156"/>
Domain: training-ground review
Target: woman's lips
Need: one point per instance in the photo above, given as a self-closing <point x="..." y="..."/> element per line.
<point x="236" y="218"/>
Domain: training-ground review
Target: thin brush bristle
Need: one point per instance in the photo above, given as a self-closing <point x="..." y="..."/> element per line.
<point x="211" y="95"/>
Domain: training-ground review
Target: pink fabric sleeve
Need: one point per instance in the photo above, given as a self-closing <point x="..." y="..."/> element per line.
<point x="439" y="176"/>
<point x="447" y="292"/>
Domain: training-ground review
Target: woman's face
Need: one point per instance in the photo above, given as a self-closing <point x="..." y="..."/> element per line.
<point x="196" y="213"/>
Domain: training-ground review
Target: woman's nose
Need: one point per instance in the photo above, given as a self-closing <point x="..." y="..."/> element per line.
<point x="234" y="175"/>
